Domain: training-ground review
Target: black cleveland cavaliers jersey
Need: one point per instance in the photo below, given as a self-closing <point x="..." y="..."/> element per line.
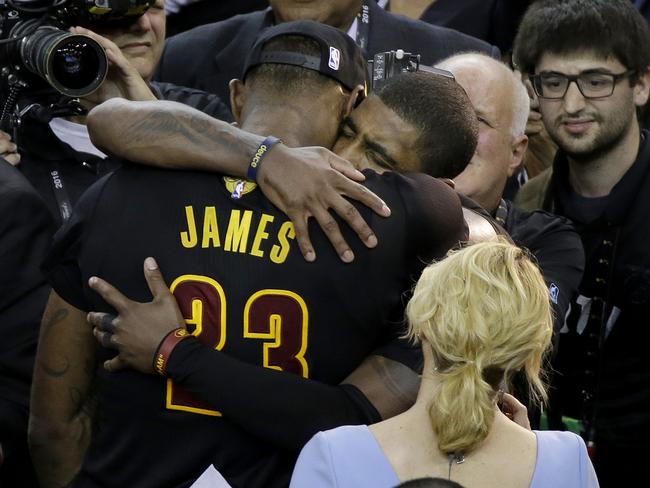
<point x="232" y="261"/>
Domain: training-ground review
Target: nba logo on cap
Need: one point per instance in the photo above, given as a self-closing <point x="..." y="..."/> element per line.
<point x="335" y="58"/>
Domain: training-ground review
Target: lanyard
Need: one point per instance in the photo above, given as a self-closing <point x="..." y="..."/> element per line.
<point x="62" y="197"/>
<point x="363" y="26"/>
<point x="502" y="213"/>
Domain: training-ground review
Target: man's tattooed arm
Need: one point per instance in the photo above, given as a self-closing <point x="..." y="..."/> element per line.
<point x="62" y="406"/>
<point x="171" y="135"/>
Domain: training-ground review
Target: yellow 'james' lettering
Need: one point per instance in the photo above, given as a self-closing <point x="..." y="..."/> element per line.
<point x="280" y="252"/>
<point x="189" y="238"/>
<point x="261" y="235"/>
<point x="238" y="229"/>
<point x="210" y="228"/>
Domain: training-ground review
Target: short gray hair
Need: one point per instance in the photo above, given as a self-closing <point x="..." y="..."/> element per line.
<point x="520" y="106"/>
<point x="520" y="98"/>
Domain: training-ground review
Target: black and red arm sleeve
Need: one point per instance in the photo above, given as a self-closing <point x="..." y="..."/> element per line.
<point x="282" y="408"/>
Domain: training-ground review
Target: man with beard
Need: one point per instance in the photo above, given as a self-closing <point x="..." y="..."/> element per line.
<point x="589" y="64"/>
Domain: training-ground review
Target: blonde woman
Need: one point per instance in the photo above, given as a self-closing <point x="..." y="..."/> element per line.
<point x="481" y="314"/>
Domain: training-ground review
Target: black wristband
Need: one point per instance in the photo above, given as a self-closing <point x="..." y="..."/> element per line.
<point x="256" y="162"/>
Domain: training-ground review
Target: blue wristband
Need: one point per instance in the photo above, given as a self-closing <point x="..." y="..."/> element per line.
<point x="256" y="162"/>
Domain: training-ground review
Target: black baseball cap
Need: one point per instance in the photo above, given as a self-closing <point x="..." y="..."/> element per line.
<point x="340" y="57"/>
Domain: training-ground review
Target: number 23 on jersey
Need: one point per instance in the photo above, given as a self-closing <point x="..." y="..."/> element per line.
<point x="277" y="318"/>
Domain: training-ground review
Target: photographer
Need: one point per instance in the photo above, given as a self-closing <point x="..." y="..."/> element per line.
<point x="56" y="154"/>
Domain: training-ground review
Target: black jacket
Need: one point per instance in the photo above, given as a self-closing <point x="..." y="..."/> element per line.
<point x="558" y="251"/>
<point x="42" y="152"/>
<point x="603" y="349"/>
<point x="494" y="21"/>
<point x="26" y="228"/>
<point x="209" y="56"/>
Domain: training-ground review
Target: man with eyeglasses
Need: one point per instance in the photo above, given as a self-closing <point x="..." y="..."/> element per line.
<point x="588" y="61"/>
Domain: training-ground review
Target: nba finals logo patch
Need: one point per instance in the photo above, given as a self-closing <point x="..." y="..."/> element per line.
<point x="554" y="292"/>
<point x="335" y="58"/>
<point x="238" y="187"/>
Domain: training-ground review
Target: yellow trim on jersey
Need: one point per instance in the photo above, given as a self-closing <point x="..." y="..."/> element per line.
<point x="197" y="306"/>
<point x="197" y="321"/>
<point x="275" y="329"/>
<point x="186" y="408"/>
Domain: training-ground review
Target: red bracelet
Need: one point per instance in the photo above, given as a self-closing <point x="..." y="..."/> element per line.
<point x="167" y="345"/>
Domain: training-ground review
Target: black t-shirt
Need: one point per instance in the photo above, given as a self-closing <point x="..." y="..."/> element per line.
<point x="244" y="287"/>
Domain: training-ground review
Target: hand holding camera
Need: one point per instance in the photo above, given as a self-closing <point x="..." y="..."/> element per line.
<point x="8" y="149"/>
<point x="122" y="79"/>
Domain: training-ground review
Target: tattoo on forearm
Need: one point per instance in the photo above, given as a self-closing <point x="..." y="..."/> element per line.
<point x="62" y="366"/>
<point x="58" y="370"/>
<point x="58" y="316"/>
<point x="76" y="398"/>
<point x="163" y="124"/>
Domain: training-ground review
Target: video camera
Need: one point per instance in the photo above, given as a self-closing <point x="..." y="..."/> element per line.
<point x="385" y="65"/>
<point x="35" y="44"/>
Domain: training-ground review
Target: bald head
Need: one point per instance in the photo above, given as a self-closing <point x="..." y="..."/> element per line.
<point x="494" y="75"/>
<point x="501" y="103"/>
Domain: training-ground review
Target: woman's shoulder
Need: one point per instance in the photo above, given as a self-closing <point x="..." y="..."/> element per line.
<point x="343" y="443"/>
<point x="345" y="456"/>
<point x="344" y="433"/>
<point x="562" y="461"/>
<point x="558" y="438"/>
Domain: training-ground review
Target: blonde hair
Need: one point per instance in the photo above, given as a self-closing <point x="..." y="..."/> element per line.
<point x="485" y="311"/>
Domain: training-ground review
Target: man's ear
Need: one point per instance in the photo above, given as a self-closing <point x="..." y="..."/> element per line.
<point x="358" y="94"/>
<point x="642" y="88"/>
<point x="237" y="98"/>
<point x="519" y="146"/>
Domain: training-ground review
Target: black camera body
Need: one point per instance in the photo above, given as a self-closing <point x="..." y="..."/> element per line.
<point x="383" y="66"/>
<point x="37" y="53"/>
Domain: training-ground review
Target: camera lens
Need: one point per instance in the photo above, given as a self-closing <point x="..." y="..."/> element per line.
<point x="76" y="65"/>
<point x="73" y="64"/>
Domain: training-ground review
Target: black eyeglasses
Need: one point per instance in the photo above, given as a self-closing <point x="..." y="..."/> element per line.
<point x="592" y="84"/>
